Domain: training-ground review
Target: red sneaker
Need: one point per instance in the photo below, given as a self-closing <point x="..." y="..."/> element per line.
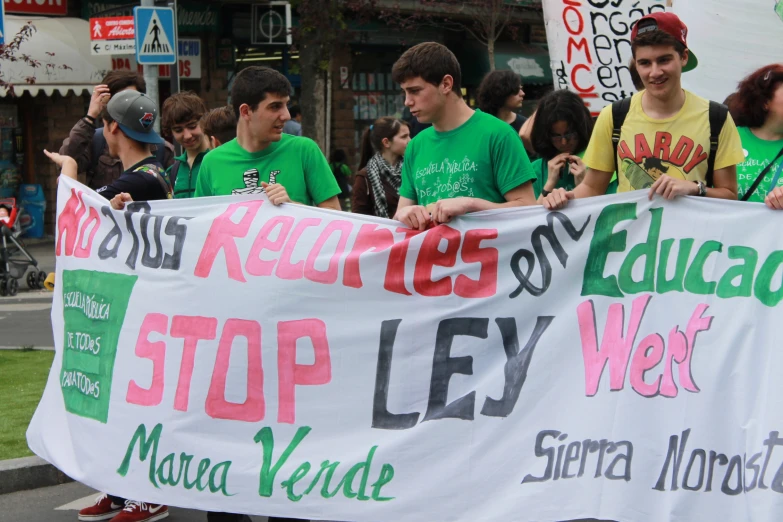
<point x="136" y="511"/>
<point x="103" y="509"/>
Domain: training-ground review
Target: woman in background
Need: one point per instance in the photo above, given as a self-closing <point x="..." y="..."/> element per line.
<point x="376" y="187"/>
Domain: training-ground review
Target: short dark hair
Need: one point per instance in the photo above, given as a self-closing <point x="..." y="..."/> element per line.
<point x="295" y="111"/>
<point x="220" y="123"/>
<point x="253" y="83"/>
<point x="560" y="105"/>
<point x="118" y="81"/>
<point x="495" y="89"/>
<point x="753" y="93"/>
<point x="638" y="84"/>
<point x="180" y="108"/>
<point x="430" y="61"/>
<point x="657" y="37"/>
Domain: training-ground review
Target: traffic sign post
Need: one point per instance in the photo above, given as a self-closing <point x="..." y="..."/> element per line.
<point x="155" y="37"/>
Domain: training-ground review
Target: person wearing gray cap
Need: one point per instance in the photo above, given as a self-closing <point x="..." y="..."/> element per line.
<point x="128" y="127"/>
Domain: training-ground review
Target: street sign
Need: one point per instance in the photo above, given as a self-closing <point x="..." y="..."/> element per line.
<point x="104" y="47"/>
<point x="271" y="24"/>
<point x="112" y="28"/>
<point x="2" y="22"/>
<point x="155" y="37"/>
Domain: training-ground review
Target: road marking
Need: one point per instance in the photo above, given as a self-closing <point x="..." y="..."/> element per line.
<point x="31" y="307"/>
<point x="79" y="504"/>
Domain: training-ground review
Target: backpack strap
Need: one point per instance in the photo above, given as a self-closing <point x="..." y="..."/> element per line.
<point x="173" y="173"/>
<point x="620" y="110"/>
<point x="718" y="114"/>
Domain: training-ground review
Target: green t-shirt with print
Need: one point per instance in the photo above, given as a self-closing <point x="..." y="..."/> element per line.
<point x="758" y="154"/>
<point x="296" y="162"/>
<point x="566" y="181"/>
<point x="483" y="158"/>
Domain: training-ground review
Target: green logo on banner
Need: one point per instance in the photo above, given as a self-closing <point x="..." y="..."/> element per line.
<point x="94" y="305"/>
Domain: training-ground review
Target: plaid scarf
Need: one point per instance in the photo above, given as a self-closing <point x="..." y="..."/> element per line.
<point x="378" y="171"/>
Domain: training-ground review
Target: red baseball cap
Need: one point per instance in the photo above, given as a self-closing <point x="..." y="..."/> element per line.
<point x="670" y="24"/>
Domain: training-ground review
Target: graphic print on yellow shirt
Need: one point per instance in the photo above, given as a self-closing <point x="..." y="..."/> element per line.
<point x="678" y="146"/>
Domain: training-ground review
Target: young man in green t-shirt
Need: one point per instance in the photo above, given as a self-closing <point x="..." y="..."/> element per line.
<point x="262" y="158"/>
<point x="468" y="160"/>
<point x="181" y="117"/>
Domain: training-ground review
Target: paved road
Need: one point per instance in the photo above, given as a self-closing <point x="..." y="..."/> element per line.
<point x="25" y="319"/>
<point x="62" y="503"/>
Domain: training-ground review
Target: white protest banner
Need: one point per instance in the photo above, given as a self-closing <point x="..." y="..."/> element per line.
<point x="616" y="360"/>
<point x="590" y="46"/>
<point x="731" y="40"/>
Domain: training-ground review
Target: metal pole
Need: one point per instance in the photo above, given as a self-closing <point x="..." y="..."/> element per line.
<point x="151" y="76"/>
<point x="174" y="75"/>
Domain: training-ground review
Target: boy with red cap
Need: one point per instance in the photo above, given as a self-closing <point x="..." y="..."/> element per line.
<point x="664" y="141"/>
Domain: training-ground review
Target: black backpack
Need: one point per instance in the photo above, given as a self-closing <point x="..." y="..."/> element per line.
<point x="717" y="114"/>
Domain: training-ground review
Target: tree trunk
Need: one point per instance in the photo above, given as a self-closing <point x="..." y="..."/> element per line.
<point x="313" y="99"/>
<point x="491" y="51"/>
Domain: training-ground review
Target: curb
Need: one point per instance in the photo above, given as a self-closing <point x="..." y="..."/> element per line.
<point x="29" y="473"/>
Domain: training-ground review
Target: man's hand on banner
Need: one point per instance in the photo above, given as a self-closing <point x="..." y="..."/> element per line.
<point x="670" y="188"/>
<point x="445" y="209"/>
<point x="414" y="216"/>
<point x="118" y="202"/>
<point x="276" y="193"/>
<point x="774" y="199"/>
<point x="557" y="199"/>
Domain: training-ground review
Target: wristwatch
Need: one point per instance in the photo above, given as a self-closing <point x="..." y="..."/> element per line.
<point x="545" y="192"/>
<point x="702" y="188"/>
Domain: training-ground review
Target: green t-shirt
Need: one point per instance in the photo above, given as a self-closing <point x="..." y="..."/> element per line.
<point x="567" y="180"/>
<point x="185" y="184"/>
<point x="758" y="154"/>
<point x="297" y="163"/>
<point x="483" y="158"/>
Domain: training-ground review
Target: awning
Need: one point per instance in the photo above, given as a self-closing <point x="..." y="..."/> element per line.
<point x="529" y="61"/>
<point x="56" y="42"/>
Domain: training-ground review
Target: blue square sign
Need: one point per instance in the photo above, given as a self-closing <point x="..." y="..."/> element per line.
<point x="156" y="41"/>
<point x="2" y="23"/>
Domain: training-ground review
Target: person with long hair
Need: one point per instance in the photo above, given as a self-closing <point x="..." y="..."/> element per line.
<point x="500" y="94"/>
<point x="376" y="187"/>
<point x="757" y="109"/>
<point x="560" y="134"/>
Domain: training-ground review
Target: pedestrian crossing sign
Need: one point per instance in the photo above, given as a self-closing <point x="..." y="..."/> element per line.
<point x="155" y="37"/>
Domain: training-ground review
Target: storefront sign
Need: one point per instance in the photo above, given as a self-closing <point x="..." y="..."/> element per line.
<point x="189" y="61"/>
<point x="192" y="17"/>
<point x="112" y="28"/>
<point x="37" y="7"/>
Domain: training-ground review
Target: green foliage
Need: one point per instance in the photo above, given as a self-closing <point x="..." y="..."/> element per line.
<point x="23" y="375"/>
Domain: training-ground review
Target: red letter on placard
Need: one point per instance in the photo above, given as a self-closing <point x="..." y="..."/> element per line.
<point x="430" y="257"/>
<point x="68" y="223"/>
<point x="191" y="329"/>
<point x="370" y="237"/>
<point x="291" y="374"/>
<point x="221" y="236"/>
<point x="156" y="352"/>
<point x="254" y="408"/>
<point x="487" y="283"/>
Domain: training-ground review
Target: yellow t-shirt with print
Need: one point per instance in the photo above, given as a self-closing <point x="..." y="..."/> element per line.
<point x="678" y="146"/>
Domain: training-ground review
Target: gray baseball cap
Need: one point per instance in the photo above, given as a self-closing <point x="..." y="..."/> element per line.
<point x="135" y="112"/>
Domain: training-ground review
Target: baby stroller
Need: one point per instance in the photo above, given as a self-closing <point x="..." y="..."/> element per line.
<point x="14" y="258"/>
